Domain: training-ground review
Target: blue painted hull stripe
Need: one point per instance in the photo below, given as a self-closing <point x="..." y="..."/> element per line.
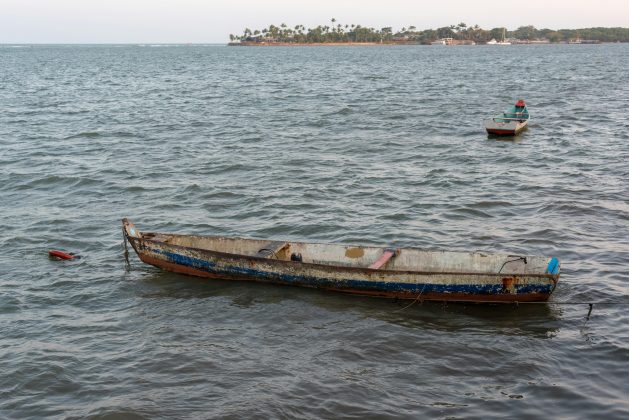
<point x="367" y="285"/>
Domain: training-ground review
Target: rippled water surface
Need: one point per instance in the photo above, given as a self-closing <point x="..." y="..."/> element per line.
<point x="374" y="145"/>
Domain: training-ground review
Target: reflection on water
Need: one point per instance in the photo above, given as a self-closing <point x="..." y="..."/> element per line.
<point x="537" y="320"/>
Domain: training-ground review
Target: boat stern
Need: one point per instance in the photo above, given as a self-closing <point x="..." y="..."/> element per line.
<point x="554" y="269"/>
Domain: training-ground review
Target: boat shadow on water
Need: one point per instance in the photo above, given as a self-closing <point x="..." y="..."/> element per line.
<point x="540" y="320"/>
<point x="508" y="137"/>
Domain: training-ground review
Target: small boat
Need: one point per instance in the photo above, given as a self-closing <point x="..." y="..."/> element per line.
<point x="509" y="123"/>
<point x="504" y="38"/>
<point x="407" y="273"/>
<point x="442" y="41"/>
<point x="503" y="41"/>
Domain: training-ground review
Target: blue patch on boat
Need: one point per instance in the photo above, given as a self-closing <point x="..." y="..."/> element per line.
<point x="553" y="266"/>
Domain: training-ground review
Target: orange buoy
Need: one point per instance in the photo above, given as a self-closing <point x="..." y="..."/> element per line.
<point x="62" y="255"/>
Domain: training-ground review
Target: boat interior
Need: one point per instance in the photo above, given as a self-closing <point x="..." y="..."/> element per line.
<point x="405" y="259"/>
<point x="519" y="114"/>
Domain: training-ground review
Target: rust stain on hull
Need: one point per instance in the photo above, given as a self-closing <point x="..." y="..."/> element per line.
<point x="354" y="252"/>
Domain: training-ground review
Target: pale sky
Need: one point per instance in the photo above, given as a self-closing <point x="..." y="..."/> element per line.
<point x="211" y="21"/>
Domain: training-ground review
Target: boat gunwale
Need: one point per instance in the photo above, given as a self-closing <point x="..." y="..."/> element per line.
<point x="507" y="119"/>
<point x="554" y="277"/>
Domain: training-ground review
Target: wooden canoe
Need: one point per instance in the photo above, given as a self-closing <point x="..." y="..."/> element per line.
<point x="407" y="273"/>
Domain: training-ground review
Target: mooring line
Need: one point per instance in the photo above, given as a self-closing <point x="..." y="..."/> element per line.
<point x="413" y="302"/>
<point x="126" y="250"/>
<point x="590" y="304"/>
<point x="517" y="303"/>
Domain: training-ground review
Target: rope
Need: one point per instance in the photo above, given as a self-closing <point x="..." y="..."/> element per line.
<point x="517" y="303"/>
<point x="413" y="302"/>
<point x="273" y="253"/>
<point x="126" y="251"/>
<point x="513" y="260"/>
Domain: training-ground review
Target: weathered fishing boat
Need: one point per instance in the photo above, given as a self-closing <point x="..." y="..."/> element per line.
<point x="407" y="273"/>
<point x="510" y="122"/>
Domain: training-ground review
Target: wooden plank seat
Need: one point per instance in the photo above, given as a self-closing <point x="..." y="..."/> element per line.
<point x="384" y="258"/>
<point x="271" y="249"/>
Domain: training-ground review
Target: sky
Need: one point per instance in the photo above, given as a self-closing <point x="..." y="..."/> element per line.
<point x="211" y="21"/>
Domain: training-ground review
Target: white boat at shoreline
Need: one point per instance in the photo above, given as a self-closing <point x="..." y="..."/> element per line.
<point x="442" y="41"/>
<point x="501" y="42"/>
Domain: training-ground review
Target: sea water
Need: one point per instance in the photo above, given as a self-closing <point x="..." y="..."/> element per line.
<point x="356" y="145"/>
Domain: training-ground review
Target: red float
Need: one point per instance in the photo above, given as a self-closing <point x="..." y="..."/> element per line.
<point x="61" y="254"/>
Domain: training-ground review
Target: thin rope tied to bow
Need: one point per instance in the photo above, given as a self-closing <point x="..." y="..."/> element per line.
<point x="126" y="251"/>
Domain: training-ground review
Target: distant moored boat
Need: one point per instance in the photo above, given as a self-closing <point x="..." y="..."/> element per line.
<point x="503" y="41"/>
<point x="442" y="41"/>
<point x="509" y="123"/>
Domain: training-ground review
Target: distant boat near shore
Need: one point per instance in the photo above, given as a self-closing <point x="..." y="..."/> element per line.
<point x="452" y="41"/>
<point x="503" y="41"/>
<point x="542" y="41"/>
<point x="442" y="41"/>
<point x="584" y="41"/>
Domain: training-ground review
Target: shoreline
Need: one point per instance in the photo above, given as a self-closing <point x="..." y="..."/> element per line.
<point x="308" y="44"/>
<point x="373" y="44"/>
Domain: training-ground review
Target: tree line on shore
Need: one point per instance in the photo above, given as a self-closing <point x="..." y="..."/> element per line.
<point x="339" y="33"/>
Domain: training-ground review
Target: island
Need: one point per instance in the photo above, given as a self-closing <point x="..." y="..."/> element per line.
<point x="351" y="34"/>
